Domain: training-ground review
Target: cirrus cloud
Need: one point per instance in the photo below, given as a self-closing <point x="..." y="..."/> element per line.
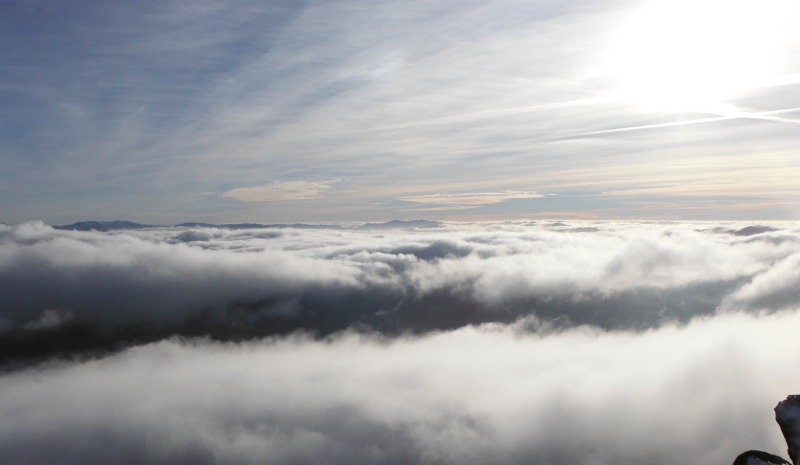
<point x="280" y="190"/>
<point x="473" y="199"/>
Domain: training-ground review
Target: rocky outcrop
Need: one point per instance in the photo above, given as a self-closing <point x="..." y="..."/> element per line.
<point x="787" y="414"/>
<point x="757" y="457"/>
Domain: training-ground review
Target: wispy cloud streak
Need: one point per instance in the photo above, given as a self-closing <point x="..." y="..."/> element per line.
<point x="495" y="113"/>
<point x="766" y="115"/>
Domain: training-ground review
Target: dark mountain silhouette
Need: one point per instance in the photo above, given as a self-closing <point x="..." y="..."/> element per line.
<point x="121" y="225"/>
<point x="753" y="230"/>
<point x="103" y="226"/>
<point x="400" y="224"/>
<point x="258" y="226"/>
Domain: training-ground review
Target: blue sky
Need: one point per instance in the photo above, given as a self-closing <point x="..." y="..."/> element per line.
<point x="221" y="111"/>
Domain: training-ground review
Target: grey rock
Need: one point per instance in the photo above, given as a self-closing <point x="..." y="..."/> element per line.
<point x="757" y="457"/>
<point x="787" y="414"/>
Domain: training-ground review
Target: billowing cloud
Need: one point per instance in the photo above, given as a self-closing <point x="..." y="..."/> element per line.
<point x="777" y="288"/>
<point x="696" y="394"/>
<point x="515" y="342"/>
<point x="76" y="290"/>
<point x="280" y="190"/>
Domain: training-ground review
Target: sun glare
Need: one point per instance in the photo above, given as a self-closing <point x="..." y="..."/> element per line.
<point x="684" y="55"/>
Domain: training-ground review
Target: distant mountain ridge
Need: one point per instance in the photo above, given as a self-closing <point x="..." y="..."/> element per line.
<point x="400" y="224"/>
<point x="104" y="226"/>
<point x="258" y="226"/>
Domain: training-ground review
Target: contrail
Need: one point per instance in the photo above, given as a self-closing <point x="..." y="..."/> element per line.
<point x="766" y="115"/>
<point x="492" y="114"/>
<point x="771" y="118"/>
<point x="731" y="110"/>
<point x="724" y="115"/>
<point x="772" y="82"/>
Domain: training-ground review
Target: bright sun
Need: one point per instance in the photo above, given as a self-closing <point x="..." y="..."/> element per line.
<point x="684" y="55"/>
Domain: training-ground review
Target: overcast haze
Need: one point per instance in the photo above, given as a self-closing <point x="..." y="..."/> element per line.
<point x="234" y="111"/>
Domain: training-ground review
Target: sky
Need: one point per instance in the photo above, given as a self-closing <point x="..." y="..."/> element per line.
<point x="328" y="111"/>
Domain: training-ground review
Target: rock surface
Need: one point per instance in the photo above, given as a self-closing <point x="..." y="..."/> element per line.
<point x="787" y="414"/>
<point x="757" y="457"/>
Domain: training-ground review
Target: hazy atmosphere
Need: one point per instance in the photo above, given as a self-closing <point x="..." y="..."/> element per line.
<point x="342" y="232"/>
<point x="274" y="111"/>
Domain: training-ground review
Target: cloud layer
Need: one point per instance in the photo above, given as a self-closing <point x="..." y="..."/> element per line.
<point x="698" y="394"/>
<point x="508" y="343"/>
<point x="77" y="290"/>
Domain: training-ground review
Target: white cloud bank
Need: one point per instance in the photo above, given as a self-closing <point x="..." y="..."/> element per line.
<point x="698" y="394"/>
<point x="504" y="343"/>
<point x="266" y="281"/>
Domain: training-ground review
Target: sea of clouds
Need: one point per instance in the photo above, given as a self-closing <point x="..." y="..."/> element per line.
<point x="547" y="343"/>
